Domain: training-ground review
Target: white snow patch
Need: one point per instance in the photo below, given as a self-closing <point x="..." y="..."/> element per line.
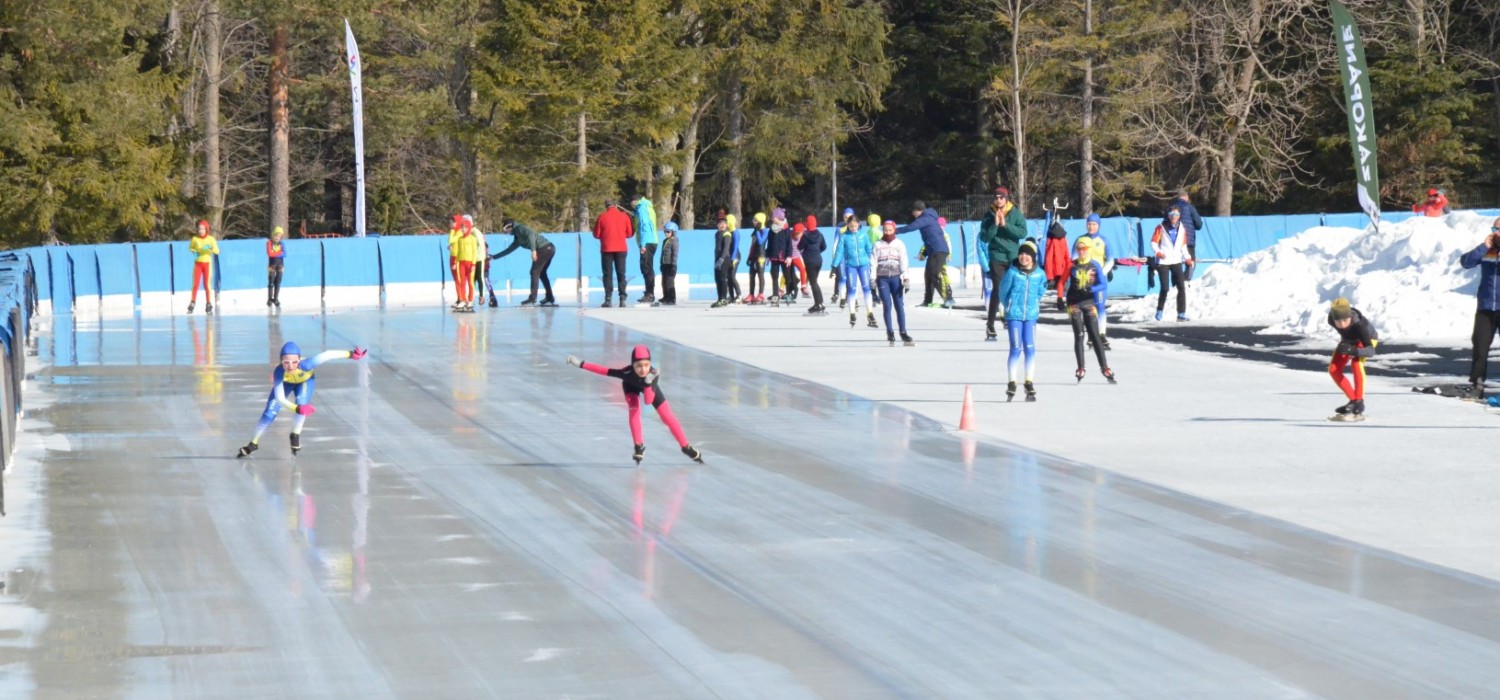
<point x="1406" y="278"/>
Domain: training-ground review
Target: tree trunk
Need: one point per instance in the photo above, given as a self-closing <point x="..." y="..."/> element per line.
<point x="689" y="171"/>
<point x="187" y="123"/>
<point x="213" y="67"/>
<point x="666" y="208"/>
<point x="1018" y="124"/>
<point x="1417" y="20"/>
<point x="583" y="165"/>
<point x="462" y="94"/>
<point x="736" y="142"/>
<point x="279" y="188"/>
<point x="1224" y="175"/>
<point x="1086" y="143"/>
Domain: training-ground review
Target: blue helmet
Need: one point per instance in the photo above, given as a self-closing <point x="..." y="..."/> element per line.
<point x="1093" y="218"/>
<point x="291" y="349"/>
<point x="672" y="226"/>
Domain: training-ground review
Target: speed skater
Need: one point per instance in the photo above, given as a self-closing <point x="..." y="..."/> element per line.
<point x="292" y="387"/>
<point x="639" y="381"/>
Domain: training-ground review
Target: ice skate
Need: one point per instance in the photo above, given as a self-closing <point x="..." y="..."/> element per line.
<point x="277" y="302"/>
<point x="890" y="338"/>
<point x="1183" y="317"/>
<point x="989" y="335"/>
<point x="1010" y="391"/>
<point x="296" y="444"/>
<point x="191" y="304"/>
<point x="853" y="319"/>
<point x="907" y="341"/>
<point x="1108" y="375"/>
<point x="1079" y="374"/>
<point x="607" y="303"/>
<point x="693" y="453"/>
<point x="247" y="449"/>
<point x="549" y="301"/>
<point x="528" y="301"/>
<point x="208" y="307"/>
<point x="1030" y="391"/>
<point x="268" y="303"/>
<point x="870" y="320"/>
<point x="494" y="303"/>
<point x="948" y="304"/>
<point x="640" y="453"/>
<point x="1344" y="409"/>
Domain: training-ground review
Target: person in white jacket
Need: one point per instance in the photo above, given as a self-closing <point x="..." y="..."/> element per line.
<point x="890" y="261"/>
<point x="1169" y="243"/>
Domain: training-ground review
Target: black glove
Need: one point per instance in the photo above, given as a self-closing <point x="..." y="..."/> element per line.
<point x="1061" y="305"/>
<point x="1344" y="349"/>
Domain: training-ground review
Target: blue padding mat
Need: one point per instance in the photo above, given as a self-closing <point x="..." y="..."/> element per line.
<point x="1359" y="221"/>
<point x="350" y="262"/>
<point x="182" y="267"/>
<point x="1396" y="216"/>
<point x="41" y="265"/>
<point x="62" y="277"/>
<point x="116" y="270"/>
<point x="154" y="266"/>
<point x="241" y="264"/>
<point x="303" y="264"/>
<point x="85" y="271"/>
<point x="405" y="259"/>
<point x="1297" y="223"/>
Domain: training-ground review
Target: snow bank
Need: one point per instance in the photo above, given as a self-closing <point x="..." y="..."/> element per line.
<point x="1406" y="278"/>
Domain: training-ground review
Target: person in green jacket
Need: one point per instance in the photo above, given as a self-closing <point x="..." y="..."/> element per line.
<point x="542" y="251"/>
<point x="1001" y="234"/>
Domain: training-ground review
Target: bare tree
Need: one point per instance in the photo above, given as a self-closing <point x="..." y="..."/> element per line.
<point x="1243" y="71"/>
<point x="279" y="179"/>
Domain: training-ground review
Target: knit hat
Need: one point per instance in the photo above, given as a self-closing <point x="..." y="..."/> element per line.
<point x="760" y="218"/>
<point x="278" y="231"/>
<point x="1093" y="219"/>
<point x="1028" y="247"/>
<point x="1002" y="192"/>
<point x="731" y="221"/>
<point x="848" y="212"/>
<point x="799" y="228"/>
<point x="778" y="213"/>
<point x="640" y="352"/>
<point x="1432" y="192"/>
<point x="291" y="349"/>
<point x="873" y="221"/>
<point x="1340" y="309"/>
<point x="811" y="221"/>
<point x="942" y="222"/>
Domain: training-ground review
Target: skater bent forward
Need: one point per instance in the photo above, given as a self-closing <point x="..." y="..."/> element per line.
<point x="1357" y="341"/>
<point x="292" y="387"/>
<point x="638" y="380"/>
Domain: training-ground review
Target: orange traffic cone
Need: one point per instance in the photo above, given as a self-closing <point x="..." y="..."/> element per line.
<point x="966" y="420"/>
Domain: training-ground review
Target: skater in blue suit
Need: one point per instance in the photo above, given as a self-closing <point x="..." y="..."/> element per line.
<point x="292" y="387"/>
<point x="1021" y="291"/>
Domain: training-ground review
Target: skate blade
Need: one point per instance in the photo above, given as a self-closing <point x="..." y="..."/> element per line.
<point x="1346" y="418"/>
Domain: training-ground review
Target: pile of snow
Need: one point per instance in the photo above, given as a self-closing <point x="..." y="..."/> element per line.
<point x="1406" y="278"/>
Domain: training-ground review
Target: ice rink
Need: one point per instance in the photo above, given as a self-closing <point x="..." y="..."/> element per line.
<point x="464" y="520"/>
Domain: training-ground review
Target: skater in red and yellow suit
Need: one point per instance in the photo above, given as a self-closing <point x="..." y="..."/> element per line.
<point x="1357" y="341"/>
<point x="638" y="380"/>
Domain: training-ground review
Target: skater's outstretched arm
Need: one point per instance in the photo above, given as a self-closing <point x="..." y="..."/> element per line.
<point x="318" y="359"/>
<point x="596" y="369"/>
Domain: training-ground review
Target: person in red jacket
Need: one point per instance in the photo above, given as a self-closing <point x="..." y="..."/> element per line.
<point x="1058" y="262"/>
<point x="612" y="228"/>
<point x="1436" y="204"/>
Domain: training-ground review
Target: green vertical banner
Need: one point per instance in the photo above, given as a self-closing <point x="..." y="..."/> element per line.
<point x="1360" y="106"/>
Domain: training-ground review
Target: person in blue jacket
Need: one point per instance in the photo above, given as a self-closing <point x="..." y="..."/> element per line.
<point x="851" y="258"/>
<point x="935" y="251"/>
<point x="647" y="238"/>
<point x="1086" y="282"/>
<point x="292" y="386"/>
<point x="1191" y="222"/>
<point x="1021" y="291"/>
<point x="1486" y="257"/>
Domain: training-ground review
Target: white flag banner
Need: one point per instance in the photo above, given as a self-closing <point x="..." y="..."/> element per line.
<point x="359" y="131"/>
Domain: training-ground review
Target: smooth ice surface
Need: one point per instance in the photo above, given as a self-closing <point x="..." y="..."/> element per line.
<point x="464" y="521"/>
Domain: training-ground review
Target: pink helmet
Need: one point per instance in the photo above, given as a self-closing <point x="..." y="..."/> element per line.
<point x="640" y="352"/>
